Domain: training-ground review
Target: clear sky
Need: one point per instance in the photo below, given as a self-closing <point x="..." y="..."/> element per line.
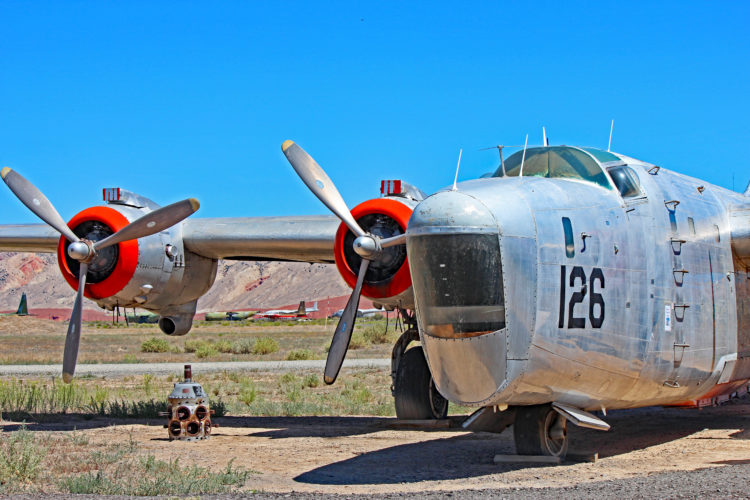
<point x="177" y="99"/>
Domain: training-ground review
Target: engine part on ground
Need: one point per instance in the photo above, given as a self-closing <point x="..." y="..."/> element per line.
<point x="188" y="411"/>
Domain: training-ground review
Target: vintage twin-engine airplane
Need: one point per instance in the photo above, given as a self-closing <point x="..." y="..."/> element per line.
<point x="569" y="280"/>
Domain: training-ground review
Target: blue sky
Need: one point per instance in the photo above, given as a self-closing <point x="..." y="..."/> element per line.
<point x="177" y="99"/>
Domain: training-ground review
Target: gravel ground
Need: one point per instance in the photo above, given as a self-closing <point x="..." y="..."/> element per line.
<point x="731" y="481"/>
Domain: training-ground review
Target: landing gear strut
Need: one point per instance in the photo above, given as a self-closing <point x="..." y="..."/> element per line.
<point x="540" y="430"/>
<point x="413" y="389"/>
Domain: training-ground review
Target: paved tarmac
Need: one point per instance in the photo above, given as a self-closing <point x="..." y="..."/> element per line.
<point x="101" y="370"/>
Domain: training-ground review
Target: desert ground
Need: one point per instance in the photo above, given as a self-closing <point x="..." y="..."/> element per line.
<point x="285" y="432"/>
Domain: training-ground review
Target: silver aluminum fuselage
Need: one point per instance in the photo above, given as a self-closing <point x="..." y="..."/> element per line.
<point x="651" y="333"/>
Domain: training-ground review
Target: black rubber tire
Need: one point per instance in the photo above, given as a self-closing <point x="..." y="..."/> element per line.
<point x="540" y="430"/>
<point x="414" y="391"/>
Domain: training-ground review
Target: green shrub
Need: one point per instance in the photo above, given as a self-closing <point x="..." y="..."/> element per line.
<point x="20" y="457"/>
<point x="300" y="354"/>
<point x="288" y="378"/>
<point x="194" y="344"/>
<point x="358" y="341"/>
<point x="155" y="344"/>
<point x="206" y="350"/>
<point x="247" y="393"/>
<point x="375" y="334"/>
<point x="265" y="345"/>
<point x="311" y="380"/>
<point x="244" y="346"/>
<point x="223" y="346"/>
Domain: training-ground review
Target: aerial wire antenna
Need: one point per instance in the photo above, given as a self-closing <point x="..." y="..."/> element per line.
<point x="611" y="128"/>
<point x="455" y="179"/>
<point x="523" y="157"/>
<point x="500" y="148"/>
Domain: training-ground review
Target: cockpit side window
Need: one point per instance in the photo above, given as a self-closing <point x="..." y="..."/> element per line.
<point x="626" y="181"/>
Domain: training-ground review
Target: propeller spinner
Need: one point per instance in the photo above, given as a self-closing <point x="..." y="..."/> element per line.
<point x="85" y="251"/>
<point x="366" y="245"/>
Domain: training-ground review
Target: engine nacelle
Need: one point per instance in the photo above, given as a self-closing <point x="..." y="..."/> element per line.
<point x="388" y="280"/>
<point x="155" y="273"/>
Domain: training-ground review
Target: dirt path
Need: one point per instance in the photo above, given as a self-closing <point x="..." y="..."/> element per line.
<point x="349" y="455"/>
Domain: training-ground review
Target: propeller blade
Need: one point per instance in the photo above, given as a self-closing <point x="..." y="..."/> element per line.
<point x="320" y="184"/>
<point x="343" y="333"/>
<point x="393" y="241"/>
<point x="36" y="202"/>
<point x="73" y="338"/>
<point x="151" y="223"/>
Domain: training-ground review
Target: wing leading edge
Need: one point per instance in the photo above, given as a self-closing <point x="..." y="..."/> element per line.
<point x="292" y="238"/>
<point x="288" y="238"/>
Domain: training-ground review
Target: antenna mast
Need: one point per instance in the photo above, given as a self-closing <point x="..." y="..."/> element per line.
<point x="523" y="158"/>
<point x="455" y="179"/>
<point x="611" y="128"/>
<point x="545" y="141"/>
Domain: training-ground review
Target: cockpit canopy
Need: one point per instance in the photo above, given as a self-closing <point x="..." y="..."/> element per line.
<point x="584" y="164"/>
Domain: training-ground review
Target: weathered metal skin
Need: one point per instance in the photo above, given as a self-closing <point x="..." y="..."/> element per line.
<point x="163" y="280"/>
<point x="659" y="279"/>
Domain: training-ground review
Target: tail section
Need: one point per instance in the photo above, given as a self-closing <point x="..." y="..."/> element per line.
<point x="301" y="311"/>
<point x="23" y="308"/>
<point x="747" y="189"/>
<point x="314" y="308"/>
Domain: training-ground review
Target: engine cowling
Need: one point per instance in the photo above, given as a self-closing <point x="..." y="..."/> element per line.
<point x="155" y="273"/>
<point x="388" y="280"/>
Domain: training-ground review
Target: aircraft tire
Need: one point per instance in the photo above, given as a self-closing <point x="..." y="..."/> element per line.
<point x="540" y="430"/>
<point x="415" y="393"/>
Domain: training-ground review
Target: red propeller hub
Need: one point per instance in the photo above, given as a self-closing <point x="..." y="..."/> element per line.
<point x="387" y="276"/>
<point x="118" y="273"/>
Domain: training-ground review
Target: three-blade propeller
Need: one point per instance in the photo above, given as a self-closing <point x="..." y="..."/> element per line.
<point x="85" y="251"/>
<point x="366" y="245"/>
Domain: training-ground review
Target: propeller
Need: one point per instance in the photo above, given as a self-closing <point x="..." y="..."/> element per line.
<point x="366" y="245"/>
<point x="85" y="251"/>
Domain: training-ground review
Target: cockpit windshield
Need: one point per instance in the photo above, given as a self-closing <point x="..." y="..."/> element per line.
<point x="555" y="161"/>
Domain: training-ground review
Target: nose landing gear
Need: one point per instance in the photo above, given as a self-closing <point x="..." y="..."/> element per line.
<point x="414" y="391"/>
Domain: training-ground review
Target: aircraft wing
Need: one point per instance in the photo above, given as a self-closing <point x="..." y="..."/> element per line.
<point x="28" y="238"/>
<point x="296" y="238"/>
<point x="289" y="238"/>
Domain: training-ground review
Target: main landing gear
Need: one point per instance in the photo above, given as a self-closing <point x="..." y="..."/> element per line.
<point x="413" y="389"/>
<point x="540" y="430"/>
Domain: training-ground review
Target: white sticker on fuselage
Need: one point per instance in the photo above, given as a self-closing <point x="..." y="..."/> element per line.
<point x="668" y="318"/>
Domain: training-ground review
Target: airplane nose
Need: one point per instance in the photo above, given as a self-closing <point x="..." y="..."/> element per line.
<point x="453" y="245"/>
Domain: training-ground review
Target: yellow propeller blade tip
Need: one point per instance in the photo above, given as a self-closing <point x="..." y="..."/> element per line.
<point x="67" y="378"/>
<point x="194" y="203"/>
<point x="6" y="170"/>
<point x="287" y="144"/>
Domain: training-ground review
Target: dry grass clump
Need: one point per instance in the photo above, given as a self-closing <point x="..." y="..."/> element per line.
<point x="155" y="344"/>
<point x="30" y="462"/>
<point x="243" y="346"/>
<point x="147" y="476"/>
<point x="206" y="350"/>
<point x="300" y="354"/>
<point x="265" y="345"/>
<point x="376" y="334"/>
<point x="20" y="458"/>
<point x="223" y="346"/>
<point x="193" y="345"/>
